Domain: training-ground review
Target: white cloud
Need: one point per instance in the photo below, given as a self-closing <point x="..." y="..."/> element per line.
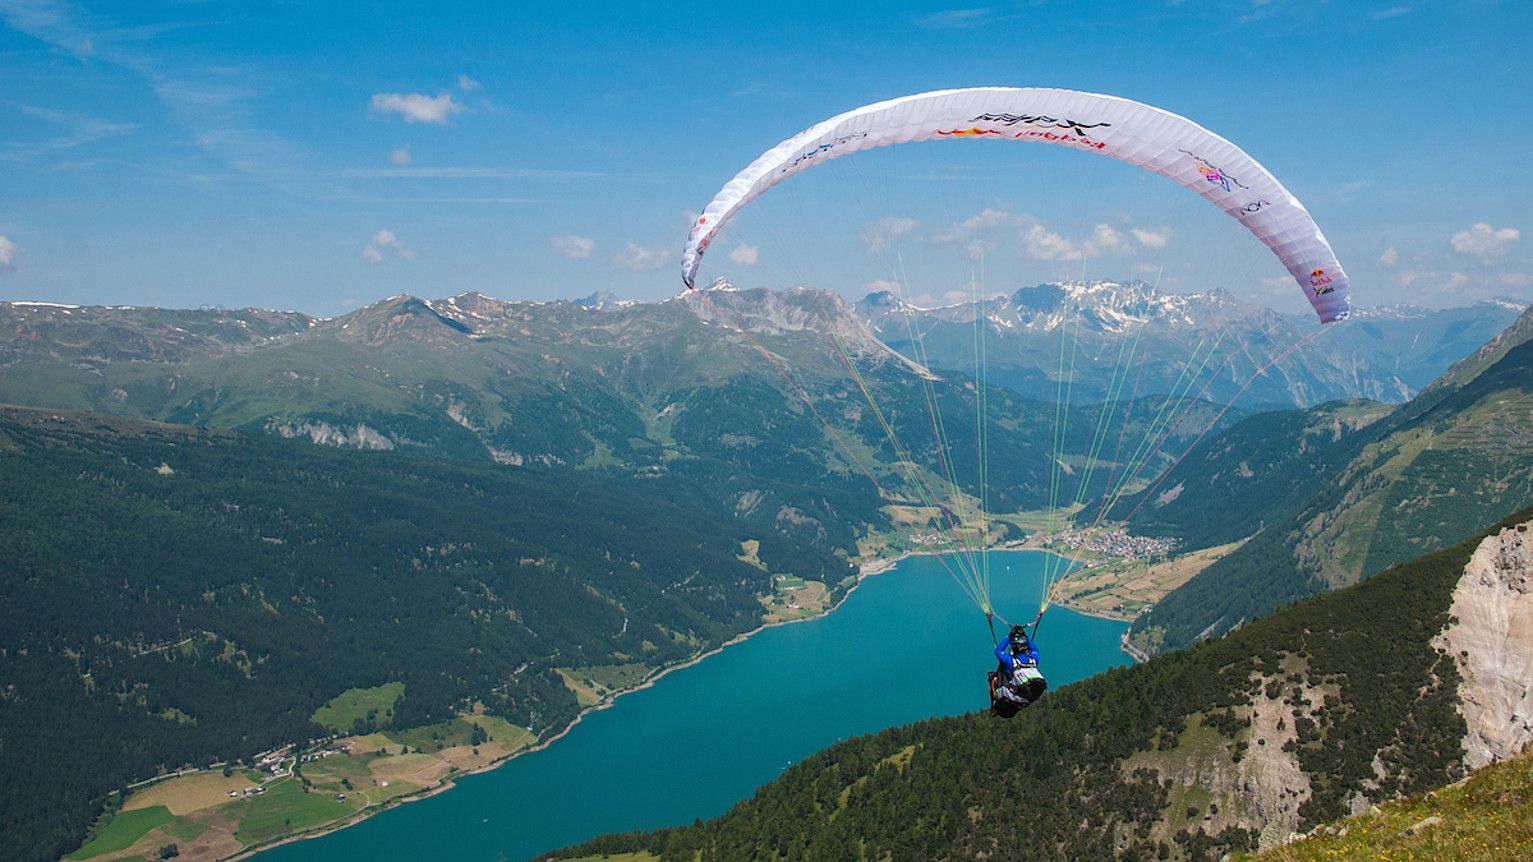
<point x="1152" y="238"/>
<point x="468" y="85"/>
<point x="976" y="232"/>
<point x="1045" y="244"/>
<point x="1509" y="279"/>
<point x="7" y="254"/>
<point x="572" y="246"/>
<point x="1390" y="257"/>
<point x="881" y="285"/>
<point x="1485" y="242"/>
<point x="383" y="240"/>
<point x="1431" y="280"/>
<point x="1105" y="239"/>
<point x="745" y="255"/>
<point x="637" y="258"/>
<point x="1147" y="267"/>
<point x="400" y="156"/>
<point x="417" y="107"/>
<point x="951" y="297"/>
<point x="1391" y="12"/>
<point x="881" y="234"/>
<point x="956" y="19"/>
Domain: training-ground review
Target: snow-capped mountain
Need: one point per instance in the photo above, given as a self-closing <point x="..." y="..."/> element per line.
<point x="1386" y="353"/>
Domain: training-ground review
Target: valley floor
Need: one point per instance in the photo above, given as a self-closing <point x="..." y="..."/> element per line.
<point x="197" y="813"/>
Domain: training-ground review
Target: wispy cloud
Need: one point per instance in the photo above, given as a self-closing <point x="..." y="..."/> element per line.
<point x="883" y="233"/>
<point x="572" y="246"/>
<point x="400" y="156"/>
<point x="1390" y="257"/>
<point x="468" y="85"/>
<point x="1391" y="12"/>
<point x="7" y="255"/>
<point x="78" y="130"/>
<point x="637" y="258"/>
<point x="469" y="173"/>
<point x="417" y="107"/>
<point x="1152" y="237"/>
<point x="1485" y="242"/>
<point x="956" y="19"/>
<point x="979" y="231"/>
<point x="745" y="255"/>
<point x="386" y="240"/>
<point x="214" y="104"/>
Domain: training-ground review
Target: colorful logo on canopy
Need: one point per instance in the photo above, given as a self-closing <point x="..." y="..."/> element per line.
<point x="803" y="157"/>
<point x="966" y="133"/>
<point x="1321" y="282"/>
<point x="1213" y="173"/>
<point x="1041" y="121"/>
<point x="1053" y="137"/>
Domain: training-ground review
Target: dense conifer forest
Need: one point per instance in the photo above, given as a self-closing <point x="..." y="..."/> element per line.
<point x="180" y="596"/>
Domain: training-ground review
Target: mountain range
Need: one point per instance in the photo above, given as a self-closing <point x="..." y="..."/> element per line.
<point x="1386" y="353"/>
<point x="721" y="374"/>
<point x="1334" y="494"/>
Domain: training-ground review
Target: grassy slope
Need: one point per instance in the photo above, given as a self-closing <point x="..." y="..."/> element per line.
<point x="1487" y="818"/>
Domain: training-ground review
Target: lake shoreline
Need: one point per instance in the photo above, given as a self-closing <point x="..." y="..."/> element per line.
<point x="865" y="570"/>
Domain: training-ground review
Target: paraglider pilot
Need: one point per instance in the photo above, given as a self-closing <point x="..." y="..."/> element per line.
<point x="1017" y="682"/>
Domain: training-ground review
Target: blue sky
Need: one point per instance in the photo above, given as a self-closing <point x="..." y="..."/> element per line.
<point x="318" y="156"/>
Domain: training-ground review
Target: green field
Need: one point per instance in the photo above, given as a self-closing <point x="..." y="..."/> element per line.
<point x="284" y="809"/>
<point x="124" y="829"/>
<point x="343" y="711"/>
<point x="615" y="676"/>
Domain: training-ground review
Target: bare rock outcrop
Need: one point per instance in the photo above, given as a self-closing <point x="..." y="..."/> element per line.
<point x="1491" y="637"/>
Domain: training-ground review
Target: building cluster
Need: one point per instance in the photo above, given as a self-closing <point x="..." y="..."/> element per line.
<point x="330" y="750"/>
<point x="1117" y="543"/>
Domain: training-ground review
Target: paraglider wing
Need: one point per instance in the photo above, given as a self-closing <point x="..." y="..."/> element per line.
<point x="1157" y="140"/>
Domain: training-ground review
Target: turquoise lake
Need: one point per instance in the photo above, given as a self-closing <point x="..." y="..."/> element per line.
<point x="906" y="645"/>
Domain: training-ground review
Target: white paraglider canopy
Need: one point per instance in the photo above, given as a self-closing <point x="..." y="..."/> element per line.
<point x="1160" y="141"/>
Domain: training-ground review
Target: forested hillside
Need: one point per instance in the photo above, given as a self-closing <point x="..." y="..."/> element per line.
<point x="717" y="375"/>
<point x="1340" y="493"/>
<point x="1292" y="721"/>
<point x="178" y="596"/>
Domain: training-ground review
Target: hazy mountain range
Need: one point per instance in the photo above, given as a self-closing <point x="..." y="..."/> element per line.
<point x="1382" y="353"/>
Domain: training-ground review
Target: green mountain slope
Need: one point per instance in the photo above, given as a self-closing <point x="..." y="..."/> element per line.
<point x="647" y="388"/>
<point x="1291" y="721"/>
<point x="179" y="596"/>
<point x="1339" y="508"/>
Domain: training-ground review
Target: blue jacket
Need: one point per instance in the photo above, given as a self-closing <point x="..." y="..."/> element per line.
<point x="1009" y="661"/>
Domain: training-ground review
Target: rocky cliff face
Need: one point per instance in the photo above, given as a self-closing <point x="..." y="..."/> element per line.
<point x="1491" y="636"/>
